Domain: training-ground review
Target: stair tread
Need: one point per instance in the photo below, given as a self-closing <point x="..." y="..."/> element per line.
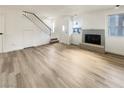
<point x="54" y="38"/>
<point x="54" y="41"/>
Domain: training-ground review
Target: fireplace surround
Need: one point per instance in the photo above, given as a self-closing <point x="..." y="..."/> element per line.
<point x="93" y="40"/>
<point x="94" y="37"/>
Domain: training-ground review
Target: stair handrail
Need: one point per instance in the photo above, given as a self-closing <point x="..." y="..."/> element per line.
<point x="31" y="21"/>
<point x="38" y="19"/>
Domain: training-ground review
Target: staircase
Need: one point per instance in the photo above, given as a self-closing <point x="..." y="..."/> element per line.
<point x="40" y="24"/>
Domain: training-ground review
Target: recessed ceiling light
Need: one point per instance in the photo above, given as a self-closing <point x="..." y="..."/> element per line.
<point x="117" y="6"/>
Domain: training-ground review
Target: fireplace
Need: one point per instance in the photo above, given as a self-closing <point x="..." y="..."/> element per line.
<point x="93" y="39"/>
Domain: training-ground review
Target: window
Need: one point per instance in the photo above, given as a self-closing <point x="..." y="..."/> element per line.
<point x="76" y="30"/>
<point x="76" y="27"/>
<point x="116" y="25"/>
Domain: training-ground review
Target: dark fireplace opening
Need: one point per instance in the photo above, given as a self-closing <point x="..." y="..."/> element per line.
<point x="93" y="39"/>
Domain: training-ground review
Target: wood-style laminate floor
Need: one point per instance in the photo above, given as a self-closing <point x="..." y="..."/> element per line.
<point x="59" y="65"/>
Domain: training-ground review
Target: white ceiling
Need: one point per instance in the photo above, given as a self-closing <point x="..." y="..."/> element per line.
<point x="61" y="9"/>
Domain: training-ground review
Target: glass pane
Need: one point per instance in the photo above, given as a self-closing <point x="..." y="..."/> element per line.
<point x="116" y="25"/>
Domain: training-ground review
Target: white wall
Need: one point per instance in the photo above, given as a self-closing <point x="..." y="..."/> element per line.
<point x="93" y="20"/>
<point x="19" y="32"/>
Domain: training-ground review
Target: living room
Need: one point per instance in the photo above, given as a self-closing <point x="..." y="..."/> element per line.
<point x="44" y="45"/>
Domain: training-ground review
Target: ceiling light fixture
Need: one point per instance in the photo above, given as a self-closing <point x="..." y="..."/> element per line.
<point x="117" y="6"/>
